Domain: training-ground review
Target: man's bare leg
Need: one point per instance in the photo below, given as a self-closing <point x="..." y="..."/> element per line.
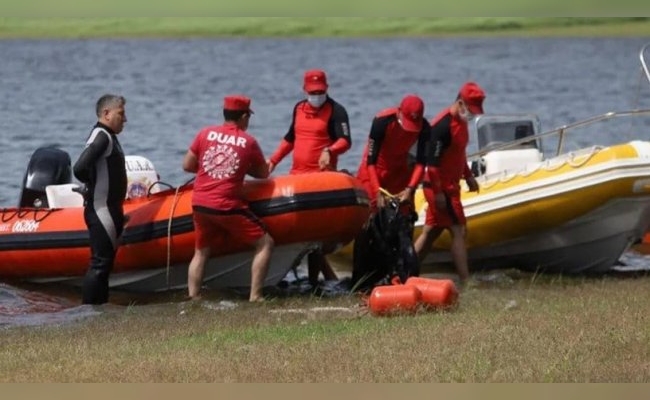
<point x="459" y="251"/>
<point x="260" y="266"/>
<point x="425" y="240"/>
<point x="195" y="272"/>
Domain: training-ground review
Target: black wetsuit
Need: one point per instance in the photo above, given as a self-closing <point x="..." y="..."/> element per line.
<point x="101" y="167"/>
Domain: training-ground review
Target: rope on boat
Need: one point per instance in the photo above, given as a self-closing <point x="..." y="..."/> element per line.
<point x="169" y="236"/>
<point x="583" y="158"/>
<point x="7" y="214"/>
<point x="571" y="159"/>
<point x="169" y="230"/>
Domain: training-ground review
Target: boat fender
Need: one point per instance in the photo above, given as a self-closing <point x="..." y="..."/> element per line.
<point x="394" y="299"/>
<point x="435" y="293"/>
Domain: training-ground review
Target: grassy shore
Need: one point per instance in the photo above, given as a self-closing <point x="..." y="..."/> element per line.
<point x="318" y="27"/>
<point x="517" y="328"/>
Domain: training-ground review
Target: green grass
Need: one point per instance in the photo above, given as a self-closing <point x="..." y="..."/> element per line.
<point x="520" y="328"/>
<point x="315" y="8"/>
<point x="317" y="27"/>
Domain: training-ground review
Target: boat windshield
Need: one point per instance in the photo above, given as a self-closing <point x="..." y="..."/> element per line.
<point x="496" y="130"/>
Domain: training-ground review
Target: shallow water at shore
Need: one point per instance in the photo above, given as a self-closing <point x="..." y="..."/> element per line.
<point x="21" y="307"/>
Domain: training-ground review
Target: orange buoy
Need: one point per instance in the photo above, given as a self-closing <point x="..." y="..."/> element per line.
<point x="435" y="293"/>
<point x="393" y="299"/>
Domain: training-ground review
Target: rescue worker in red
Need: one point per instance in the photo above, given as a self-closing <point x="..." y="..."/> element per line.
<point x="385" y="158"/>
<point x="385" y="168"/>
<point x="222" y="156"/>
<point x="318" y="134"/>
<point x="446" y="166"/>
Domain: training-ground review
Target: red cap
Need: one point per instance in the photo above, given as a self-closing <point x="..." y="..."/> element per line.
<point x="412" y="113"/>
<point x="473" y="96"/>
<point x="237" y="103"/>
<point x="315" y="80"/>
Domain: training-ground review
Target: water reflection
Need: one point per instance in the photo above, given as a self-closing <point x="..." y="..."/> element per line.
<point x="20" y="307"/>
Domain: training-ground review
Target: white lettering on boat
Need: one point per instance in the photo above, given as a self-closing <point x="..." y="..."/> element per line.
<point x="139" y="165"/>
<point x="25" y="225"/>
<point x="222" y="138"/>
<point x="4" y="227"/>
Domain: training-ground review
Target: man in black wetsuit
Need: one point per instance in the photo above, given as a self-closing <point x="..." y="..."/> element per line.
<point x="101" y="168"/>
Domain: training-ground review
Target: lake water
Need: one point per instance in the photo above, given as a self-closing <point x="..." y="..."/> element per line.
<point x="174" y="87"/>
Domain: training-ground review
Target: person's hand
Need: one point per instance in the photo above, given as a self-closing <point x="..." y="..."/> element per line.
<point x="381" y="201"/>
<point x="324" y="160"/>
<point x="472" y="184"/>
<point x="406" y="195"/>
<point x="271" y="165"/>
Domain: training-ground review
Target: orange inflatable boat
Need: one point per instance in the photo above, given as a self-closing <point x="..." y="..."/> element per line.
<point x="50" y="242"/>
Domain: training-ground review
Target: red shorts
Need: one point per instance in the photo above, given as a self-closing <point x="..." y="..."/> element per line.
<point x="452" y="214"/>
<point x="238" y="226"/>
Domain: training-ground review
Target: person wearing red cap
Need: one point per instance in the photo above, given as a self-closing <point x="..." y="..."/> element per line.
<point x="318" y="134"/>
<point x="446" y="166"/>
<point x="385" y="164"/>
<point x="385" y="158"/>
<point x="222" y="156"/>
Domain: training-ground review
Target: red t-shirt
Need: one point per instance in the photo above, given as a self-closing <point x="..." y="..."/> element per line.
<point x="225" y="154"/>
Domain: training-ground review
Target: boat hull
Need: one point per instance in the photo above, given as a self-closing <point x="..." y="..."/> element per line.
<point x="227" y="271"/>
<point x="52" y="244"/>
<point x="591" y="243"/>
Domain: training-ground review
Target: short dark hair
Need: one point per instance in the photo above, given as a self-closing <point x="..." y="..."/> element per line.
<point x="233" y="115"/>
<point x="108" y="101"/>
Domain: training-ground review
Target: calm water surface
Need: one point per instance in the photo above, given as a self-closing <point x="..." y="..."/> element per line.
<point x="174" y="87"/>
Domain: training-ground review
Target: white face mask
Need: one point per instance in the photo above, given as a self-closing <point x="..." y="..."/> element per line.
<point x="464" y="113"/>
<point x="316" y="100"/>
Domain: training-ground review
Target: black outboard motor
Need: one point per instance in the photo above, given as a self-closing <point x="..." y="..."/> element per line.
<point x="48" y="165"/>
